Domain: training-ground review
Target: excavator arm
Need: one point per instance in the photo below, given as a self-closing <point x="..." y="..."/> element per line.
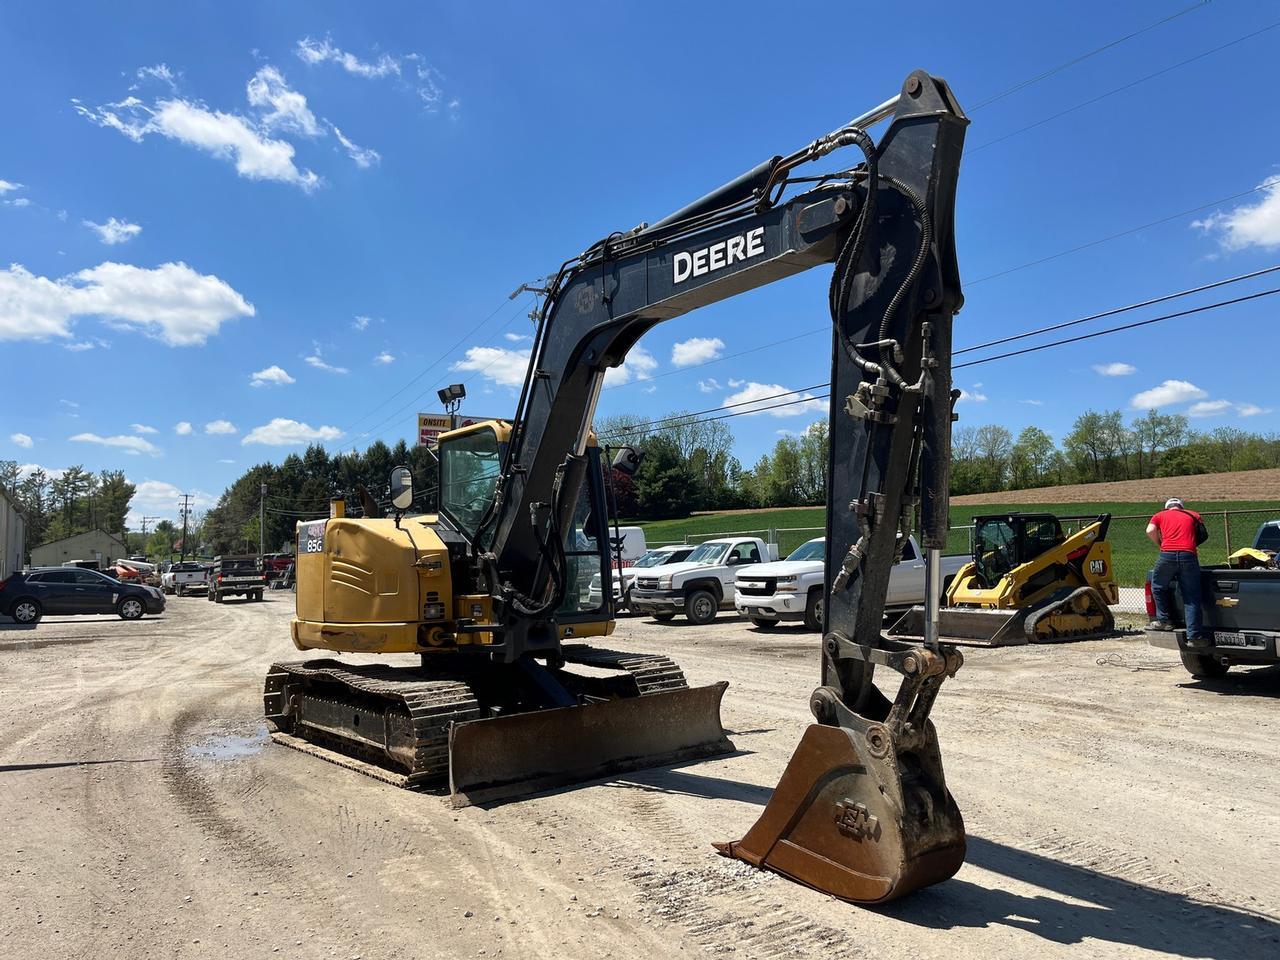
<point x="863" y="810"/>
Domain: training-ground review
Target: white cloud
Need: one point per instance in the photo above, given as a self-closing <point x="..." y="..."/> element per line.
<point x="131" y="445"/>
<point x="27" y="469"/>
<point x="172" y="302"/>
<point x="364" y="157"/>
<point x="227" y="136"/>
<point x="1251" y="410"/>
<point x="734" y="384"/>
<point x="1114" y="369"/>
<point x="972" y="396"/>
<point x="1250" y="224"/>
<point x="282" y="433"/>
<point x="639" y="365"/>
<point x="513" y="337"/>
<point x="8" y="186"/>
<point x="226" y="461"/>
<point x="182" y="428"/>
<point x="697" y="350"/>
<point x="70" y="403"/>
<point x="384" y="357"/>
<point x="220" y="427"/>
<point x="160" y="499"/>
<point x="1209" y="408"/>
<point x="114" y="231"/>
<point x="315" y="361"/>
<point x="1033" y="403"/>
<point x="709" y="385"/>
<point x="143" y="428"/>
<point x="1169" y="392"/>
<point x="282" y="108"/>
<point x="22" y="440"/>
<point x="159" y="71"/>
<point x="359" y="323"/>
<point x="319" y="51"/>
<point x="759" y="397"/>
<point x="19" y="202"/>
<point x="270" y="376"/>
<point x="502" y="366"/>
<point x="78" y="346"/>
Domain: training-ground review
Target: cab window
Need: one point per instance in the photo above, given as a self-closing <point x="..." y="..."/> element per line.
<point x="469" y="467"/>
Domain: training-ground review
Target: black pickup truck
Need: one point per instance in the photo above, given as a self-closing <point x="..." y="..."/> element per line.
<point x="237" y="576"/>
<point x="1241" y="611"/>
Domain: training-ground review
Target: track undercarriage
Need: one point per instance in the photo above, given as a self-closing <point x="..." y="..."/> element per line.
<point x="487" y="735"/>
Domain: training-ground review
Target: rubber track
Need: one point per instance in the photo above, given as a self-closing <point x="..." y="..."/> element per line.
<point x="433" y="704"/>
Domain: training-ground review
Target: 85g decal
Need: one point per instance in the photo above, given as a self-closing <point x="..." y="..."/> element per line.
<point x="311" y="537"/>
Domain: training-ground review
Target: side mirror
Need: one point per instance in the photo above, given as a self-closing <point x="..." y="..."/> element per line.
<point x="401" y="488"/>
<point x="732" y="562"/>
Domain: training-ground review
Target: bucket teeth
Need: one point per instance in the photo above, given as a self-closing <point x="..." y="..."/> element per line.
<point x="854" y="818"/>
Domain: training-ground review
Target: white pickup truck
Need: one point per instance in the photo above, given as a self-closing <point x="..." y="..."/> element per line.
<point x="702" y="584"/>
<point x="625" y="578"/>
<point x="792" y="589"/>
<point x="185" y="576"/>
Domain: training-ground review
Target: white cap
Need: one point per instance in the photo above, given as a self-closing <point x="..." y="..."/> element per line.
<point x="1172" y="502"/>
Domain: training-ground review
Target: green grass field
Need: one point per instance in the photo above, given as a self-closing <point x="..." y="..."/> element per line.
<point x="1132" y="552"/>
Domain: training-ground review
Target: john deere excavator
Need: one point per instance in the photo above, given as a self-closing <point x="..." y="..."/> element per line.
<point x="1028" y="582"/>
<point x="504" y="699"/>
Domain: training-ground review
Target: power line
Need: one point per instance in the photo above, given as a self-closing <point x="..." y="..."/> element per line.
<point x="1053" y="71"/>
<point x="1120" y="89"/>
<point x="972" y="363"/>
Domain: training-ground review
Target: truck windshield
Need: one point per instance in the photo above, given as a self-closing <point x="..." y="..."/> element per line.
<point x="469" y="467"/>
<point x="709" y="553"/>
<point x="813" y="550"/>
<point x="653" y="558"/>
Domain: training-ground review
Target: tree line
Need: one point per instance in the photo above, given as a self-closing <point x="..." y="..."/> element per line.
<point x="63" y="505"/>
<point x="1100" y="447"/>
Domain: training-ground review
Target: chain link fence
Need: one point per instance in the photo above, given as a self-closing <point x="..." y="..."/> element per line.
<point x="1132" y="554"/>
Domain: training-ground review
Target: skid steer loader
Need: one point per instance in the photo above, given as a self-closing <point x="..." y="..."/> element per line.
<point x="1028" y="582"/>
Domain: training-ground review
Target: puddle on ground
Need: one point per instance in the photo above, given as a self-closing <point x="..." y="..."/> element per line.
<point x="230" y="746"/>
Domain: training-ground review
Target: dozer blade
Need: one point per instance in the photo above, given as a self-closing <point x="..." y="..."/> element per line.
<point x="966" y="627"/>
<point x="855" y="819"/>
<point x="504" y="757"/>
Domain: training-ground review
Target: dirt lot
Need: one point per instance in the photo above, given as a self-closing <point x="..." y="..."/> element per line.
<point x="1112" y="811"/>
<point x="1201" y="488"/>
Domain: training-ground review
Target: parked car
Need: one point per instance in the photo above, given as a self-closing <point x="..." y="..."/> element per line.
<point x="185" y="576"/>
<point x="625" y="578"/>
<point x="29" y="595"/>
<point x="242" y="576"/>
<point x="702" y="584"/>
<point x="792" y="589"/>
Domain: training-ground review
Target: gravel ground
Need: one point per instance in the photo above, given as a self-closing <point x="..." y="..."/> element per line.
<point x="1119" y="809"/>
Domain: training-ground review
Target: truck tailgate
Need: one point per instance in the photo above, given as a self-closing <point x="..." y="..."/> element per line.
<point x="1241" y="599"/>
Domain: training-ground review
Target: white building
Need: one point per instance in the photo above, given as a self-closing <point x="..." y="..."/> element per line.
<point x="94" y="545"/>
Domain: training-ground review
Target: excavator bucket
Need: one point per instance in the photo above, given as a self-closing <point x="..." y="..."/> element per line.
<point x="855" y="818"/>
<point x="966" y="627"/>
<point x="502" y="757"/>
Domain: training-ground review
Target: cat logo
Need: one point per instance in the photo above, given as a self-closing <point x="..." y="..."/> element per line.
<point x="1098" y="568"/>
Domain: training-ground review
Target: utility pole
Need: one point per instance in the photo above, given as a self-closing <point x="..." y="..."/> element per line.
<point x="262" y="513"/>
<point x="145" y="521"/>
<point x="186" y="509"/>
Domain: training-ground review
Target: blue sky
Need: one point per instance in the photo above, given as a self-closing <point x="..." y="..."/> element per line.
<point x="338" y="200"/>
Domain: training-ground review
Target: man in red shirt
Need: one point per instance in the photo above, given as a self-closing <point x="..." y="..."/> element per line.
<point x="1173" y="530"/>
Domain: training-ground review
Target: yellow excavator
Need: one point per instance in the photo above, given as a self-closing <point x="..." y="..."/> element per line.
<point x="1028" y="582"/>
<point x="489" y="594"/>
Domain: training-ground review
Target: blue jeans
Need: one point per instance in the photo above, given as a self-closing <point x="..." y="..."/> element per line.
<point x="1184" y="567"/>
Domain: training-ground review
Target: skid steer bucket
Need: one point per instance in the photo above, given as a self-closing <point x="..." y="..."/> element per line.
<point x="856" y="818"/>
<point x="966" y="627"/>
<point x="509" y="756"/>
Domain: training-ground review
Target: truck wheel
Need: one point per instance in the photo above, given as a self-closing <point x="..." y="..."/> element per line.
<point x="813" y="611"/>
<point x="180" y="591"/>
<point x="217" y="598"/>
<point x="764" y="623"/>
<point x="27" y="611"/>
<point x="257" y="595"/>
<point x="664" y="617"/>
<point x="1206" y="668"/>
<point x="130" y="608"/>
<point x="700" y="607"/>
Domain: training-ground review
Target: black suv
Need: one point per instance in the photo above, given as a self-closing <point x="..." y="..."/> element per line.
<point x="29" y="595"/>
